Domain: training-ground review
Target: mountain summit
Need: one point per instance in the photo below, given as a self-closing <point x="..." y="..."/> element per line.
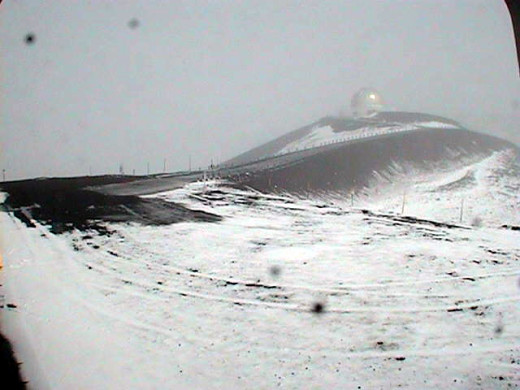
<point x="346" y="154"/>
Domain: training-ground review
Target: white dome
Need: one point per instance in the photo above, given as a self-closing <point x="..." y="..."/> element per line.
<point x="366" y="102"/>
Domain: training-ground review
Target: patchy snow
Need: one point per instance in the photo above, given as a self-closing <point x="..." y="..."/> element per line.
<point x="437" y="125"/>
<point x="325" y="135"/>
<point x="485" y="193"/>
<point x="230" y="304"/>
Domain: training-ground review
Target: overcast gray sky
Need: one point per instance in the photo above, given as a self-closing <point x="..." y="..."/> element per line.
<point x="212" y="79"/>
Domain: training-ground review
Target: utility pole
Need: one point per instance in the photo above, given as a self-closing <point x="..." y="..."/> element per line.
<point x="189" y="162"/>
<point x="164" y="165"/>
<point x="461" y="209"/>
<point x="3" y="174"/>
<point x="351" y="200"/>
<point x="404" y="201"/>
<point x="147" y="168"/>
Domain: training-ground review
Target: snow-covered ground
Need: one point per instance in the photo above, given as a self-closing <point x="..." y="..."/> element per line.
<point x="232" y="304"/>
<point x="486" y="193"/>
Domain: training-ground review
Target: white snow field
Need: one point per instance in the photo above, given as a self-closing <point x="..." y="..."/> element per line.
<point x="406" y="303"/>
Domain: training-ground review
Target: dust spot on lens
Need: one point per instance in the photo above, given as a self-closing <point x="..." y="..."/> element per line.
<point x="133" y="23"/>
<point x="30" y="38"/>
<point x="318" y="308"/>
<point x="499" y="328"/>
<point x="275" y="271"/>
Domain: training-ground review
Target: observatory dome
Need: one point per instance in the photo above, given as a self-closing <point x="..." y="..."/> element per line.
<point x="365" y="102"/>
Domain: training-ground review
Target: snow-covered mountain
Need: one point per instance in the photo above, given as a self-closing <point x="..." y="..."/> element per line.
<point x="339" y="129"/>
<point x="345" y="155"/>
<point x="282" y="292"/>
<point x="402" y="273"/>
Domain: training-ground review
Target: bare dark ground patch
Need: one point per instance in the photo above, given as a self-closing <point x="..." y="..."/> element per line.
<point x="9" y="367"/>
<point x="64" y="204"/>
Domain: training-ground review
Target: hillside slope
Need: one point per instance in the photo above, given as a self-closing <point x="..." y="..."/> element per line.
<point x="351" y="166"/>
<point x="340" y="127"/>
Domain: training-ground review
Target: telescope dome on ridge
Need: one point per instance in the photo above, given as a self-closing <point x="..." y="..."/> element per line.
<point x="366" y="102"/>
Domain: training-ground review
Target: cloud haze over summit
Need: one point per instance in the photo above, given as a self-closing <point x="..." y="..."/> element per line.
<point x="130" y="82"/>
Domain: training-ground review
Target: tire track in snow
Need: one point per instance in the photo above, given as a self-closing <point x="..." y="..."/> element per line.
<point x="59" y="262"/>
<point x="344" y="289"/>
<point x="299" y="307"/>
<point x="154" y="327"/>
<point x="284" y="287"/>
<point x="340" y="289"/>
